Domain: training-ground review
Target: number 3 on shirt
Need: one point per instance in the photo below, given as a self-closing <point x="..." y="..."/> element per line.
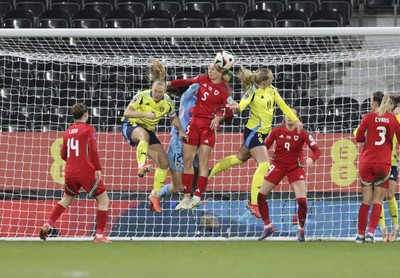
<point x="72" y="144"/>
<point x="381" y="134"/>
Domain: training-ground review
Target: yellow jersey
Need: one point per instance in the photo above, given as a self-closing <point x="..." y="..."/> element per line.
<point x="144" y="102"/>
<point x="395" y="161"/>
<point x="261" y="103"/>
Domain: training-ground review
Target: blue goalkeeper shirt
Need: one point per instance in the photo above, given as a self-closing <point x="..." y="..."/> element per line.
<point x="188" y="99"/>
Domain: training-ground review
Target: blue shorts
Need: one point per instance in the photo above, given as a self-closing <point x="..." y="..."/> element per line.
<point x="175" y="155"/>
<point x="128" y="128"/>
<point x="253" y="139"/>
<point x="394" y="172"/>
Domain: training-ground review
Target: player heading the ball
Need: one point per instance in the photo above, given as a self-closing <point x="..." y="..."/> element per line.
<point x="212" y="98"/>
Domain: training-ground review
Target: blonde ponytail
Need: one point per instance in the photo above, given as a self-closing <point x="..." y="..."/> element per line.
<point x="247" y="78"/>
<point x="157" y="71"/>
<point x="386" y="105"/>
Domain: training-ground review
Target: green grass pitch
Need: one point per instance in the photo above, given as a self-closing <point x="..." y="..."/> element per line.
<point x="205" y="259"/>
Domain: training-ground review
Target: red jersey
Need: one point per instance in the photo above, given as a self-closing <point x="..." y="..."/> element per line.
<point x="377" y="134"/>
<point x="289" y="146"/>
<point x="211" y="98"/>
<point x="79" y="150"/>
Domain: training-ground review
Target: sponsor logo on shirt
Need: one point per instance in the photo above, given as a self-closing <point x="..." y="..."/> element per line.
<point x="206" y="141"/>
<point x="296" y="138"/>
<point x="280" y="136"/>
<point x="288" y="137"/>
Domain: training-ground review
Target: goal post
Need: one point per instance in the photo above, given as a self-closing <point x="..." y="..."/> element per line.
<point x="329" y="73"/>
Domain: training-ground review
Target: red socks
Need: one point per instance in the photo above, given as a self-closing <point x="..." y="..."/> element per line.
<point x="201" y="186"/>
<point x="263" y="207"/>
<point x="55" y="214"/>
<point x="187" y="180"/>
<point x="102" y="216"/>
<point x="374" y="218"/>
<point x="363" y="218"/>
<point x="302" y="211"/>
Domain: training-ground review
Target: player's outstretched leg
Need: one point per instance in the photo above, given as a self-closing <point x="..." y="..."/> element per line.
<point x="44" y="231"/>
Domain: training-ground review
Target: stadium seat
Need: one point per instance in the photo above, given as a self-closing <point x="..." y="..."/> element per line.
<point x="325" y="19"/>
<point x="292" y="19"/>
<point x="6" y="6"/>
<point x="206" y="7"/>
<point x="307" y="6"/>
<point x="156" y="19"/>
<point x="120" y="19"/>
<point x="36" y="7"/>
<point x="239" y="6"/>
<point x="54" y="19"/>
<point x="71" y="6"/>
<point x="189" y="19"/>
<point x="223" y="18"/>
<point x="343" y="7"/>
<point x="259" y="18"/>
<point x="343" y="102"/>
<point x="289" y="90"/>
<point x="365" y="106"/>
<point x="171" y="6"/>
<point x="87" y="19"/>
<point x="378" y="6"/>
<point x="102" y="6"/>
<point x="18" y="19"/>
<point x="273" y="6"/>
<point x="138" y="7"/>
<point x="18" y="73"/>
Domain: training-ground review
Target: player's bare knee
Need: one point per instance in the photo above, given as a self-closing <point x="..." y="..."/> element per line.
<point x="103" y="201"/>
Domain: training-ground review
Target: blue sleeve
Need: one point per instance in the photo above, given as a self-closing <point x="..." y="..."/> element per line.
<point x="189" y="93"/>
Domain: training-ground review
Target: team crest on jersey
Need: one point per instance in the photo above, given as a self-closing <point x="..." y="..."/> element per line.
<point x="177" y="164"/>
<point x="162" y="109"/>
<point x="296" y="138"/>
<point x="246" y="96"/>
<point x="216" y="93"/>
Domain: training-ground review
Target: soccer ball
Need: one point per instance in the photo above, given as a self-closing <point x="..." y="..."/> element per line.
<point x="224" y="60"/>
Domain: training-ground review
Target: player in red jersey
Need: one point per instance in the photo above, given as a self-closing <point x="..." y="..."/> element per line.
<point x="79" y="151"/>
<point x="376" y="131"/>
<point x="287" y="160"/>
<point x="212" y="97"/>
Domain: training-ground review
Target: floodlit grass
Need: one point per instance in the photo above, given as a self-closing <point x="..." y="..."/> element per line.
<point x="205" y="259"/>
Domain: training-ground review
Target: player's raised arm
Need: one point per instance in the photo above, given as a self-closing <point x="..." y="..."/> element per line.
<point x="288" y="112"/>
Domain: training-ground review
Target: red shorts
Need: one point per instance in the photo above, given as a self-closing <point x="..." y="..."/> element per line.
<point x="200" y="133"/>
<point x="376" y="174"/>
<point x="275" y="174"/>
<point x="92" y="186"/>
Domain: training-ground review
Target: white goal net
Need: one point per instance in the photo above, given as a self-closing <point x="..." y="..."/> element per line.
<point x="328" y="73"/>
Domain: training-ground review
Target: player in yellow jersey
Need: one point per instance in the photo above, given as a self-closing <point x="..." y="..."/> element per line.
<point x="140" y="118"/>
<point x="261" y="97"/>
<point x="390" y="197"/>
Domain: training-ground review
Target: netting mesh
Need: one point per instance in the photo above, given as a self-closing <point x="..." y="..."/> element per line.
<point x="329" y="78"/>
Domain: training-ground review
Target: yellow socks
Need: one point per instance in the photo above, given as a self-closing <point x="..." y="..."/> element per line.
<point x="393" y="210"/>
<point x="257" y="180"/>
<point x="159" y="178"/>
<point x="224" y="164"/>
<point x="141" y="152"/>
